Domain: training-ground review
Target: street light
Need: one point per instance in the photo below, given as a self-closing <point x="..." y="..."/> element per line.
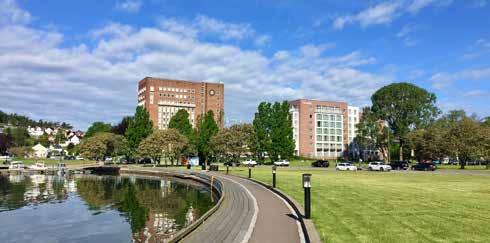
<point x="307" y="186"/>
<point x="274" y="176"/>
<point x="227" y="165"/>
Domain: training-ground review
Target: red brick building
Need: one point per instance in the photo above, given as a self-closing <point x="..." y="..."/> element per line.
<point x="164" y="97"/>
<point x="323" y="129"/>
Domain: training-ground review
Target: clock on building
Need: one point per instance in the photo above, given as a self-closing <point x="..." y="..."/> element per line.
<point x="212" y="92"/>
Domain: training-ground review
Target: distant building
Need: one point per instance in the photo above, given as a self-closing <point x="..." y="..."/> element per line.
<point x="323" y="129"/>
<point x="39" y="151"/>
<point x="162" y="98"/>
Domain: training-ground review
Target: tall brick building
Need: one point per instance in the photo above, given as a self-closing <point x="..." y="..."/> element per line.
<point x="323" y="129"/>
<point x="164" y="97"/>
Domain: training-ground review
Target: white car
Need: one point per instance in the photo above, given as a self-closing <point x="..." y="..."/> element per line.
<point x="380" y="166"/>
<point x="281" y="163"/>
<point x="249" y="162"/>
<point x="345" y="166"/>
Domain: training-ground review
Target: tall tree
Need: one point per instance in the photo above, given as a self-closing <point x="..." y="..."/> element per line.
<point x="281" y="132"/>
<point x="404" y="107"/>
<point x="97" y="127"/>
<point x="20" y="136"/>
<point x="372" y="133"/>
<point x="207" y="128"/>
<point x="103" y="145"/>
<point x="139" y="128"/>
<point x="262" y="124"/>
<point x="122" y="126"/>
<point x="180" y="121"/>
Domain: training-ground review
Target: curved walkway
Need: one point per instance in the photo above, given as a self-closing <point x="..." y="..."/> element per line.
<point x="249" y="213"/>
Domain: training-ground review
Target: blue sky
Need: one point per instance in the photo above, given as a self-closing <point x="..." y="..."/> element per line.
<point x="80" y="61"/>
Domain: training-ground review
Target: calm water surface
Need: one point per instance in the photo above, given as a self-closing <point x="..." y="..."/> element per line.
<point x="89" y="208"/>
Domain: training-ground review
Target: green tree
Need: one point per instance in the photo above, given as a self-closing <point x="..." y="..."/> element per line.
<point x="122" y="126"/>
<point x="103" y="145"/>
<point x="206" y="129"/>
<point x="262" y="126"/>
<point x="404" y="107"/>
<point x="467" y="141"/>
<point x="180" y="121"/>
<point x="162" y="144"/>
<point x="20" y="151"/>
<point x="281" y="132"/>
<point x="139" y="128"/>
<point x="97" y="127"/>
<point x="229" y="143"/>
<point x="372" y="134"/>
<point x="20" y="136"/>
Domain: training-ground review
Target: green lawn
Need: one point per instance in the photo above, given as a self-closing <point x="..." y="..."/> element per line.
<point x="391" y="207"/>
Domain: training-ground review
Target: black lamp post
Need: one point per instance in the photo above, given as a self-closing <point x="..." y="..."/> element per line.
<point x="227" y="165"/>
<point x="274" y="176"/>
<point x="249" y="172"/>
<point x="307" y="186"/>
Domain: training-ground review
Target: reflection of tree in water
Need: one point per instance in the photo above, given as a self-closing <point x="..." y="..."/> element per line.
<point x="17" y="191"/>
<point x="12" y="194"/>
<point x="155" y="209"/>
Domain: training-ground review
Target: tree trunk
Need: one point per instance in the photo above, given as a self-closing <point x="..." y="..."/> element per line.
<point x="462" y="163"/>
<point x="401" y="150"/>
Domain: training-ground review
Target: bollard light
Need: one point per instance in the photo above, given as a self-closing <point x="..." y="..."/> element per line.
<point x="307" y="187"/>
<point x="227" y="165"/>
<point x="274" y="176"/>
<point x="306" y="180"/>
<point x="249" y="172"/>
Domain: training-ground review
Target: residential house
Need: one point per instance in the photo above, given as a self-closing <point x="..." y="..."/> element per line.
<point x="39" y="151"/>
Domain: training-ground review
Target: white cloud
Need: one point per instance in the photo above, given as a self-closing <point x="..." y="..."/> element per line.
<point x="480" y="48"/>
<point x="10" y="13"/>
<point x="130" y="6"/>
<point x="82" y="84"/>
<point x="443" y="80"/>
<point x="386" y="12"/>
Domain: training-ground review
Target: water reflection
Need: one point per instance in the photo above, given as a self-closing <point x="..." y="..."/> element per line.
<point x="154" y="209"/>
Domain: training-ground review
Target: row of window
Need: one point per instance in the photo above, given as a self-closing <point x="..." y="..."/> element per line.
<point x="173" y="89"/>
<point x="320" y="138"/>
<point x="328" y="117"/>
<point x="329" y="124"/>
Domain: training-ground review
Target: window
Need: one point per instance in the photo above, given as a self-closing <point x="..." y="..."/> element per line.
<point x="318" y="130"/>
<point x="319" y="138"/>
<point x="318" y="116"/>
<point x="339" y="139"/>
<point x="339" y="125"/>
<point x="318" y="123"/>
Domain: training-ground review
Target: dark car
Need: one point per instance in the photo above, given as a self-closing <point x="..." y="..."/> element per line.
<point x="424" y="166"/>
<point x="321" y="163"/>
<point x="399" y="165"/>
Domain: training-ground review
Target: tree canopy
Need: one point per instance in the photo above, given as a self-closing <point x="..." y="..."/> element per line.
<point x="122" y="126"/>
<point x="167" y="143"/>
<point x="103" y="145"/>
<point x="273" y="131"/>
<point x="97" y="127"/>
<point x="139" y="128"/>
<point x="206" y="129"/>
<point x="229" y="143"/>
<point x="404" y="107"/>
<point x="372" y="134"/>
<point x="180" y="121"/>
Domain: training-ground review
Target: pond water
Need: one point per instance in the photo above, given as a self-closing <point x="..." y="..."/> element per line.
<point x="90" y="208"/>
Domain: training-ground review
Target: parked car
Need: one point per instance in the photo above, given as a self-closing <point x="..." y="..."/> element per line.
<point x="69" y="157"/>
<point x="379" y="166"/>
<point x="399" y="165"/>
<point x="281" y="163"/>
<point x="424" y="166"/>
<point x="249" y="162"/>
<point x="79" y="157"/>
<point x="345" y="166"/>
<point x="321" y="163"/>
